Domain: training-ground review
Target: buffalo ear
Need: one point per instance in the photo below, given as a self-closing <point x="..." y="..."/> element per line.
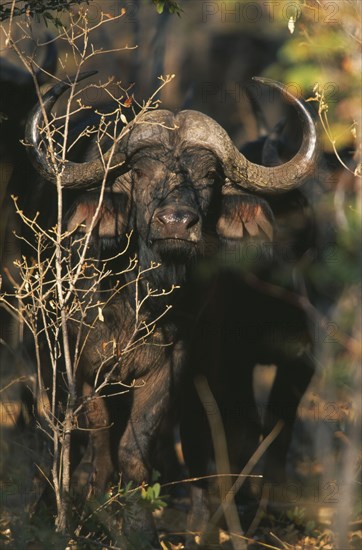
<point x="111" y="220"/>
<point x="244" y="216"/>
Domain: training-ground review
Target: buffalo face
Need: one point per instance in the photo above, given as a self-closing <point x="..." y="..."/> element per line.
<point x="173" y="198"/>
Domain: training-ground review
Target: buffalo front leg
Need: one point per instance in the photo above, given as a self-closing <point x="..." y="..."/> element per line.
<point x="95" y="468"/>
<point x="149" y="406"/>
<point x="290" y="384"/>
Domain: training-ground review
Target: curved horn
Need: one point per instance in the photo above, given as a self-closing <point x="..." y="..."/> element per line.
<point x="241" y="171"/>
<point x="74" y="175"/>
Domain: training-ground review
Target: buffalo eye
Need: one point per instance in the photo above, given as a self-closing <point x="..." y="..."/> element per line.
<point x="138" y="172"/>
<point x="207" y="179"/>
<point x="211" y="174"/>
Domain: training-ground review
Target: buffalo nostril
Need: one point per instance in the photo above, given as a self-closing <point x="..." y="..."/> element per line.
<point x="194" y="220"/>
<point x="190" y="219"/>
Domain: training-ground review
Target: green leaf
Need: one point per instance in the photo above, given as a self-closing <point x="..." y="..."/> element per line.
<point x="156" y="490"/>
<point x="160" y="6"/>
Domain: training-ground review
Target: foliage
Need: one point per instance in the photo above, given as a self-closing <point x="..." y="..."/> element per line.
<point x="324" y="48"/>
<point x="98" y="526"/>
<point x="170" y="5"/>
<point x="151" y="496"/>
<point x="35" y="7"/>
<point x="43" y="8"/>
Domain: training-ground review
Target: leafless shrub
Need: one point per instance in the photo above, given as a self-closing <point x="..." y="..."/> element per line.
<point x="55" y="297"/>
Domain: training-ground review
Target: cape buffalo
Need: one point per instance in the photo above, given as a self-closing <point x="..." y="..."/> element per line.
<point x="186" y="193"/>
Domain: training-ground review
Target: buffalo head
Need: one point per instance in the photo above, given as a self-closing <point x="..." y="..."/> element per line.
<point x="174" y="177"/>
